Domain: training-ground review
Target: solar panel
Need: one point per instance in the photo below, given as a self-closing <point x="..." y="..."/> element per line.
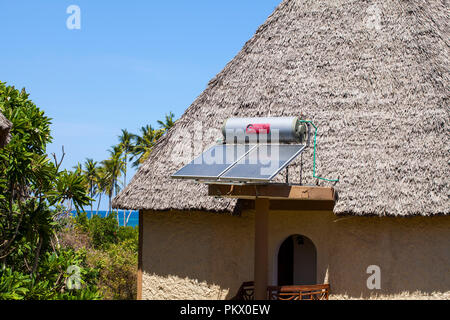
<point x="262" y="163"/>
<point x="213" y="162"/>
<point x="254" y="150"/>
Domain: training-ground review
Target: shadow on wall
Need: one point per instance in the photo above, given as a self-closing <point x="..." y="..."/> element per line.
<point x="199" y="255"/>
<point x="413" y="254"/>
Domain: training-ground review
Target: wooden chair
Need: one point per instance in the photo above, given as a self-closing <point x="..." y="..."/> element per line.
<point x="246" y="291"/>
<point x="303" y="292"/>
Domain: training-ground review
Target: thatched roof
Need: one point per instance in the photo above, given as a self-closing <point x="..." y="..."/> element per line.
<point x="5" y="126"/>
<point x="373" y="75"/>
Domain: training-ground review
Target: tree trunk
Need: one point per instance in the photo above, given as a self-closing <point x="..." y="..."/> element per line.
<point x="125" y="173"/>
<point x="37" y="254"/>
<point x="124" y="184"/>
<point x="70" y="207"/>
<point x="110" y="203"/>
<point x="115" y="194"/>
<point x="99" y="201"/>
<point x="92" y="196"/>
<point x="128" y="218"/>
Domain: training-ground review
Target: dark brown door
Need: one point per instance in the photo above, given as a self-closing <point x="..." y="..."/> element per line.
<point x="297" y="261"/>
<point x="286" y="263"/>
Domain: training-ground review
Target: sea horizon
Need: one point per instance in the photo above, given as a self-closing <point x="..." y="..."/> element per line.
<point x="133" y="221"/>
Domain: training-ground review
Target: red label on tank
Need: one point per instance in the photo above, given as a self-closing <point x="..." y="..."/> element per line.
<point x="263" y="128"/>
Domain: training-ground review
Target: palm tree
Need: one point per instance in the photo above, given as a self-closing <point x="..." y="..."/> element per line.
<point x="72" y="187"/>
<point x="101" y="185"/>
<point x="91" y="173"/>
<point x="168" y="123"/>
<point x="125" y="143"/>
<point x="113" y="168"/>
<point x="78" y="168"/>
<point x="107" y="169"/>
<point x="144" y="143"/>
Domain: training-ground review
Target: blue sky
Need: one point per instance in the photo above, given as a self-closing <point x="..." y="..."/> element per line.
<point x="129" y="64"/>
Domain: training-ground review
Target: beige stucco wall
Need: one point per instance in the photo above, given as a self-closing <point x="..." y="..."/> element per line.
<point x="193" y="255"/>
<point x="413" y="253"/>
<point x="198" y="255"/>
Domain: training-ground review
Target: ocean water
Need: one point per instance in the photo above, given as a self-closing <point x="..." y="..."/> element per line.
<point x="133" y="221"/>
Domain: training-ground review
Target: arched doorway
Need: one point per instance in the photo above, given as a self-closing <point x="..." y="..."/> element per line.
<point x="297" y="261"/>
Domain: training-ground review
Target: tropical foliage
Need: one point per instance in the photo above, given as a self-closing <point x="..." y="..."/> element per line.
<point x="109" y="176"/>
<point x="42" y="246"/>
<point x="34" y="196"/>
<point x="112" y="250"/>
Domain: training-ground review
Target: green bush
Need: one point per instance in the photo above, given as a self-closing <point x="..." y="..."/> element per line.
<point x="118" y="270"/>
<point x="129" y="233"/>
<point x="102" y="230"/>
<point x="114" y="254"/>
<point x="51" y="279"/>
<point x="13" y="285"/>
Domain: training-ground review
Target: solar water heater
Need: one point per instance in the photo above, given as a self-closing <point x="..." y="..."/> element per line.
<point x="252" y="150"/>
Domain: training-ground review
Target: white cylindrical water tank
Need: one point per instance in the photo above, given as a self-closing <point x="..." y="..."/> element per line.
<point x="270" y="129"/>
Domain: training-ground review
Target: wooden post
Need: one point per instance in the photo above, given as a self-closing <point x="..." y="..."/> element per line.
<point x="139" y="272"/>
<point x="261" y="247"/>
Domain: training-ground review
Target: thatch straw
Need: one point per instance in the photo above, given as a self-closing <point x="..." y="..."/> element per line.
<point x="5" y="126"/>
<point x="374" y="75"/>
